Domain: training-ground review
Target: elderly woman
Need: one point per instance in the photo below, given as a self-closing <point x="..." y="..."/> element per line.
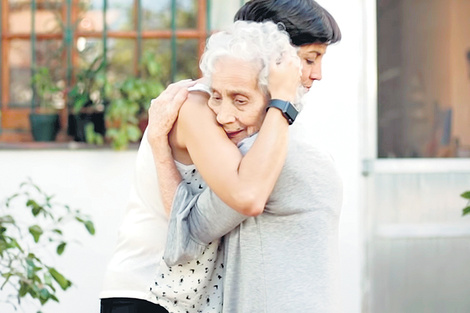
<point x="283" y="260"/>
<point x="238" y="63"/>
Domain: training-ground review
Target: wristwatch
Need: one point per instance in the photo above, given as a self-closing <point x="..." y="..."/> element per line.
<point x="288" y="109"/>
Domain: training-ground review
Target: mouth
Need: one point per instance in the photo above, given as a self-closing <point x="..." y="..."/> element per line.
<point x="232" y="134"/>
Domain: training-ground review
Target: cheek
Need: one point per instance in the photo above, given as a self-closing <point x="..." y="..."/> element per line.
<point x="212" y="106"/>
<point x="255" y="120"/>
<point x="306" y="72"/>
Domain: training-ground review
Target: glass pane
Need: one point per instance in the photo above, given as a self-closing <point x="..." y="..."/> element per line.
<point x="20" y="73"/>
<point x="186" y="14"/>
<point x="120" y="15"/>
<point x="19" y="21"/>
<point x="90" y="16"/>
<point x="48" y="17"/>
<point x="121" y="56"/>
<point x="423" y="83"/>
<point x="49" y="53"/>
<point x="187" y="63"/>
<point x="88" y="49"/>
<point x="161" y="48"/>
<point x="156" y="14"/>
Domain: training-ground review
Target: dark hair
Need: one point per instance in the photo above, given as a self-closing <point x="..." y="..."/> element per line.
<point x="305" y="20"/>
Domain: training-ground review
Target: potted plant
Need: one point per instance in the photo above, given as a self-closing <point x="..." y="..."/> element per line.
<point x="126" y="116"/>
<point x="87" y="101"/>
<point x="32" y="229"/>
<point x="44" y="118"/>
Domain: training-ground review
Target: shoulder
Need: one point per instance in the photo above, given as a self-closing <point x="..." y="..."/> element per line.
<point x="194" y="118"/>
<point x="196" y="103"/>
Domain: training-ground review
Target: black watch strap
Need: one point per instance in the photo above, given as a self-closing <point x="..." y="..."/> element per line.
<point x="288" y="109"/>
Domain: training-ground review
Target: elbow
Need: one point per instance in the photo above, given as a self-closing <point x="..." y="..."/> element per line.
<point x="250" y="204"/>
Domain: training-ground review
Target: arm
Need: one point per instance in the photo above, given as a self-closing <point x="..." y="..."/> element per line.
<point x="244" y="183"/>
<point x="195" y="221"/>
<point x="163" y="112"/>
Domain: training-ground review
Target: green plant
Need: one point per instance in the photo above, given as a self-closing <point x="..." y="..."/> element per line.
<point x="466" y="195"/>
<point x="47" y="90"/>
<point x="31" y="227"/>
<point x="131" y="102"/>
<point x="91" y="89"/>
<point x="122" y="118"/>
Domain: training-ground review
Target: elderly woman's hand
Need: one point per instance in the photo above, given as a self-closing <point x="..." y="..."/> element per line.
<point x="284" y="76"/>
<point x="164" y="109"/>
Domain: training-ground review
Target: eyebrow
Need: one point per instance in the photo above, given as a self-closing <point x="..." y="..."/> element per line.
<point x="234" y="92"/>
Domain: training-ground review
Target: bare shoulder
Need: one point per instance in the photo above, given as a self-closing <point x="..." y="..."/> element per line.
<point x="196" y="103"/>
<point x="194" y="116"/>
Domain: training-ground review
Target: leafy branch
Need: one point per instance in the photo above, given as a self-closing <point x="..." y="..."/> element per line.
<point x="31" y="224"/>
<point x="466" y="195"/>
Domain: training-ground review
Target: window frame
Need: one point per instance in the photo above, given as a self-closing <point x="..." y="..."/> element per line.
<point x="14" y="124"/>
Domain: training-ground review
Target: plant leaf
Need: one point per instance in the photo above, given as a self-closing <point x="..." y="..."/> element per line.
<point x="466" y="210"/>
<point x="63" y="282"/>
<point x="61" y="248"/>
<point x="44" y="295"/>
<point x="35" y="207"/>
<point x="36" y="231"/>
<point x="466" y="195"/>
<point x="90" y="227"/>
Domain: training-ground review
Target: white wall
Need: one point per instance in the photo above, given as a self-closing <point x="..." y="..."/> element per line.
<point x="96" y="181"/>
<point x="335" y="120"/>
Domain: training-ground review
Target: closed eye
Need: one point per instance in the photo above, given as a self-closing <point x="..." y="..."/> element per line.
<point x="310" y="61"/>
<point x="240" y="101"/>
<point x="216" y="97"/>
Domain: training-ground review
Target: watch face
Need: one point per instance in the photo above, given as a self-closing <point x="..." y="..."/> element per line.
<point x="288" y="110"/>
<point x="292" y="112"/>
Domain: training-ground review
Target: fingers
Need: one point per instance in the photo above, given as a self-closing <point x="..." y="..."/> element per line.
<point x="170" y="92"/>
<point x="284" y="76"/>
<point x="164" y="109"/>
<point x="179" y="99"/>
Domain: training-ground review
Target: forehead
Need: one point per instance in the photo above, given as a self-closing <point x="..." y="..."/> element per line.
<point x="314" y="48"/>
<point x="234" y="74"/>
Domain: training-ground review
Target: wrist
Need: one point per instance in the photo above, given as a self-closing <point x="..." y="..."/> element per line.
<point x="288" y="110"/>
<point x="282" y="96"/>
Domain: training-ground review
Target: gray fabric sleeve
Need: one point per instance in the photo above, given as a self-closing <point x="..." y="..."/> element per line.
<point x="195" y="221"/>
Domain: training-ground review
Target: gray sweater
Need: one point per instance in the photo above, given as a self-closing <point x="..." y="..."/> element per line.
<point x="284" y="260"/>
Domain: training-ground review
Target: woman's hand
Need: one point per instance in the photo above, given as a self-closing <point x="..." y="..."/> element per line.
<point x="164" y="109"/>
<point x="284" y="76"/>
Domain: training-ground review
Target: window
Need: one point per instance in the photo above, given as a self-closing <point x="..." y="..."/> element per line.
<point x="67" y="36"/>
<point x="423" y="78"/>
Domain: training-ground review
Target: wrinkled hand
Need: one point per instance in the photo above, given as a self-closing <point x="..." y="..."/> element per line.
<point x="164" y="109"/>
<point x="284" y="76"/>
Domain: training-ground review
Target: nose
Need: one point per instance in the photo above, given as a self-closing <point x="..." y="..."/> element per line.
<point x="225" y="113"/>
<point x="315" y="72"/>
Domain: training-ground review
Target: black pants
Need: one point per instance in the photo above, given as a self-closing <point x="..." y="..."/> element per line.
<point x="128" y="305"/>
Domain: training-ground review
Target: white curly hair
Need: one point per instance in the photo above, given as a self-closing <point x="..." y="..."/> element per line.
<point x="250" y="41"/>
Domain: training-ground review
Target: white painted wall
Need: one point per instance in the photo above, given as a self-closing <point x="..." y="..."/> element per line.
<point x="96" y="181"/>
